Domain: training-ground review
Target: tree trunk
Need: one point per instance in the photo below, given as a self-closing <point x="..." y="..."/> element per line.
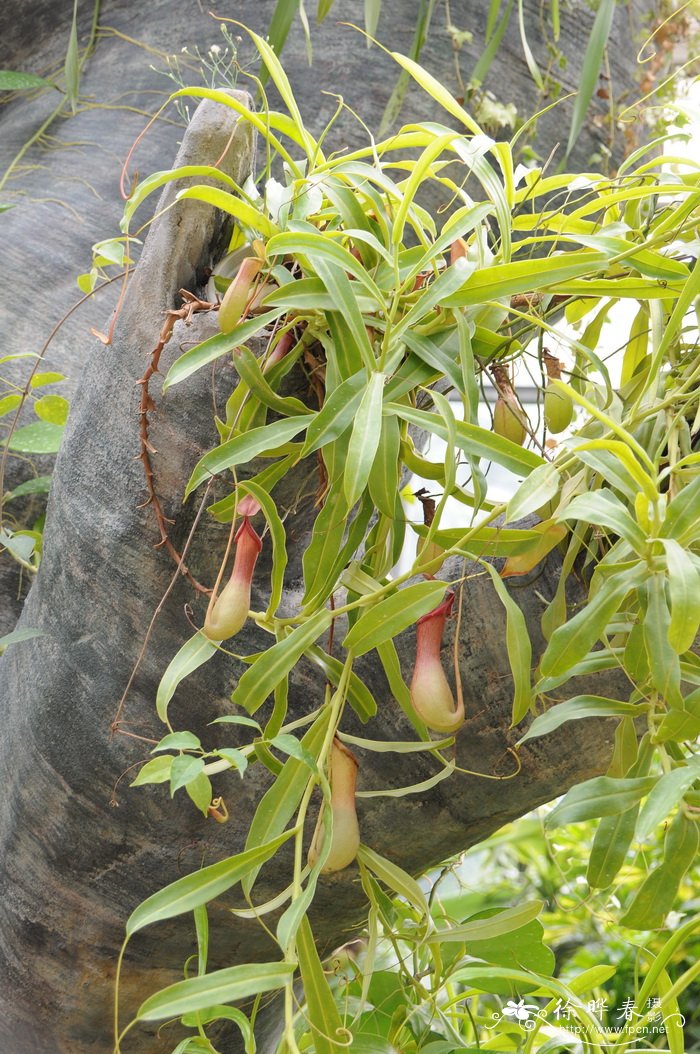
<point x="80" y="848"/>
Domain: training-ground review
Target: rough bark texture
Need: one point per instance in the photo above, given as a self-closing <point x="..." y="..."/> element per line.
<point x="79" y="849"/>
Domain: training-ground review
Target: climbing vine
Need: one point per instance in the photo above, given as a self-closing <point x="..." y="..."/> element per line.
<point x="407" y="321"/>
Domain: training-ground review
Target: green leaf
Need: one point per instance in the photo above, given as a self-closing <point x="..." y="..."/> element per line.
<point x="41" y="437"/>
<point x="329" y="1035"/>
<point x="72" y="63"/>
<point x="665" y="796"/>
<point x="158" y="179"/>
<point x="39" y="380"/>
<point x="386" y="619"/>
<point x="681" y="725"/>
<point x="522" y="948"/>
<point x="280" y="801"/>
<point x="199" y="888"/>
<point x="219" y="1013"/>
<point x="199" y="790"/>
<point x="473" y="440"/>
<point x="18" y="635"/>
<point x="664" y="664"/>
<point x="341" y="290"/>
<point x="235" y="758"/>
<point x="359" y="696"/>
<point x="245" y="447"/>
<point x="519" y="648"/>
<point x="612" y="840"/>
<point x="604" y="509"/>
<point x="155" y="771"/>
<point x="572" y="641"/>
<point x="9" y="403"/>
<point x="395" y="878"/>
<point x="383" y="479"/>
<point x="447" y="284"/>
<point x="283" y="86"/>
<point x="326" y="554"/>
<point x="505" y="280"/>
<point x="336" y="414"/>
<point x="592" y="60"/>
<point x="183" y="770"/>
<point x="21" y="544"/>
<point x="10" y="80"/>
<point x="364" y="439"/>
<point x="246" y="214"/>
<point x="483" y="929"/>
<point x="260" y="679"/>
<point x="372" y="10"/>
<point x="527" y="52"/>
<point x="398" y="687"/>
<point x="656" y="896"/>
<point x="682" y="520"/>
<point x="52" y="408"/>
<point x="577" y="708"/>
<point x="198" y="650"/>
<point x="315" y="246"/>
<point x="236" y="719"/>
<point x="220" y="344"/>
<point x="600" y="796"/>
<point x="222" y="986"/>
<point x="178" y="741"/>
<point x="541" y="486"/>
<point x="684" y="595"/>
<point x="37" y="485"/>
<point x="248" y="369"/>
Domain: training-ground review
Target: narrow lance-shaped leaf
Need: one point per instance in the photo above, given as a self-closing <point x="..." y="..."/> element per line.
<point x="684" y="594"/>
<point x="590" y="68"/>
<point x="473" y="440"/>
<point x="664" y="663"/>
<point x="280" y="801"/>
<point x="336" y="414"/>
<point x="244" y="447"/>
<point x="192" y="891"/>
<point x="222" y="986"/>
<point x="655" y="897"/>
<point x="260" y="679"/>
<point x="193" y="654"/>
<point x="329" y="1036"/>
<point x="540" y="487"/>
<point x="615" y="833"/>
<point x="600" y="796"/>
<point x="494" y="926"/>
<point x="389" y="617"/>
<point x="574" y="639"/>
<point x="519" y="648"/>
<point x="364" y="440"/>
<point x="575" y="709"/>
<point x="665" y="797"/>
<point x="383" y="481"/>
<point x="216" y="346"/>
<point x="395" y="878"/>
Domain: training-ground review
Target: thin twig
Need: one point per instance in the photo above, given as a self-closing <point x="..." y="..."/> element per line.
<point x="114" y="726"/>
